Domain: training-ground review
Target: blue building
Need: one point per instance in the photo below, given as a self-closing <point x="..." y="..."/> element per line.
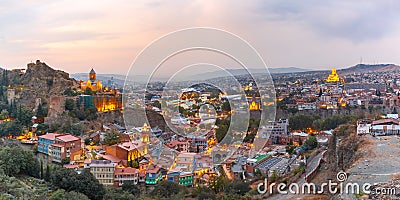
<point x="182" y="178"/>
<point x="153" y="176"/>
<point x="44" y="141"/>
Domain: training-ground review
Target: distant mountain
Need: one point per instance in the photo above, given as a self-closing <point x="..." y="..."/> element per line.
<point x="120" y="79"/>
<point x="104" y="78"/>
<point x="221" y="73"/>
<point x="363" y="68"/>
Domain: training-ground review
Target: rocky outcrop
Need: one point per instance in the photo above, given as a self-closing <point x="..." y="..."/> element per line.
<point x="40" y="81"/>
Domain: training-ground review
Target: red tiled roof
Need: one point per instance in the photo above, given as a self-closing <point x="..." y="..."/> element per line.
<point x="67" y="138"/>
<point x="126" y="171"/>
<point x="384" y="121"/>
<point x="71" y="166"/>
<point x="174" y="143"/>
<point x="153" y="170"/>
<point x="50" y="136"/>
<point x="130" y="145"/>
<point x="111" y="158"/>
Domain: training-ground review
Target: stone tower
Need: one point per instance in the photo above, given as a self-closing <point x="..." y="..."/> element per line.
<point x="92" y="75"/>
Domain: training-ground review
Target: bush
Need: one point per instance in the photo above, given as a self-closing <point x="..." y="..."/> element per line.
<point x="167" y="189"/>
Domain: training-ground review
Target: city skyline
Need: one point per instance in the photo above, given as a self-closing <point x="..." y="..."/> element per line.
<point x="75" y="37"/>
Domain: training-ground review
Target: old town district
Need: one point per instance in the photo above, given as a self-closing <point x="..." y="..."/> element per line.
<point x="147" y="155"/>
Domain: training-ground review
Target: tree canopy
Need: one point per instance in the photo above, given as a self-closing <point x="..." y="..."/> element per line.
<point x="84" y="183"/>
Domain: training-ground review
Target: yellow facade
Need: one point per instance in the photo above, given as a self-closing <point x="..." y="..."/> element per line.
<point x="92" y="83"/>
<point x="333" y="77"/>
<point x="105" y="102"/>
<point x="254" y="105"/>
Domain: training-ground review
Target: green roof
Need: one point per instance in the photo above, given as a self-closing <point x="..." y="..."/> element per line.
<point x="260" y="157"/>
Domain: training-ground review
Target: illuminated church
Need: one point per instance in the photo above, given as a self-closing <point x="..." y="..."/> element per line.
<point x="333" y="77"/>
<point x="254" y="105"/>
<point x="104" y="99"/>
<point x="92" y="83"/>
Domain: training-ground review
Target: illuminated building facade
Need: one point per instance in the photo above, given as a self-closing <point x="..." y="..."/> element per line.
<point x="333" y="77"/>
<point x="104" y="100"/>
<point x="93" y="84"/>
<point x="107" y="102"/>
<point x="254" y="105"/>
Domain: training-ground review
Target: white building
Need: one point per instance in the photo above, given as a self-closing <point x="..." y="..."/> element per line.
<point x="103" y="170"/>
<point x="306" y="106"/>
<point x="363" y="129"/>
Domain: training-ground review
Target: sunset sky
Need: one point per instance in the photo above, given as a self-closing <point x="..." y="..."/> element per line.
<point x="77" y="35"/>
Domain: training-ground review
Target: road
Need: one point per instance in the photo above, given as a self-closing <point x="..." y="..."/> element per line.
<point x="312" y="165"/>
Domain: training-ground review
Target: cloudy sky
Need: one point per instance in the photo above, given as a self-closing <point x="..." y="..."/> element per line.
<point x="77" y="35"/>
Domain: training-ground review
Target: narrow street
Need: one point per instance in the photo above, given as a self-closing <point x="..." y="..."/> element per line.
<point x="312" y="165"/>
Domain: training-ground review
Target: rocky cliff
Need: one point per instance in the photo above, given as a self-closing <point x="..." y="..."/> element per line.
<point x="39" y="81"/>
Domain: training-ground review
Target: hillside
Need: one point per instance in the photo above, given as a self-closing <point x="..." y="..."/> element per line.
<point x="363" y="68"/>
<point x="39" y="80"/>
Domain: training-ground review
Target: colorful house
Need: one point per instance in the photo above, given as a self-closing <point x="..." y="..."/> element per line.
<point x="103" y="170"/>
<point x="182" y="178"/>
<point x="153" y="176"/>
<point x="125" y="174"/>
<point x="65" y="146"/>
<point x="44" y="142"/>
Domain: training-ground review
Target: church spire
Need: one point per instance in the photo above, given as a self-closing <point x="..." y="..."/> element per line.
<point x="92" y="75"/>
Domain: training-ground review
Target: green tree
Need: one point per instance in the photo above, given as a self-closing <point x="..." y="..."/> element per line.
<point x="311" y="142"/>
<point x="156" y="104"/>
<point x="65" y="161"/>
<point x="70" y="104"/>
<point x="301" y="122"/>
<point x="290" y="149"/>
<point x="12" y="188"/>
<point x="134" y="164"/>
<point x="166" y="189"/>
<point x="84" y="183"/>
<point x="62" y="195"/>
<point x="274" y="177"/>
<point x="88" y="91"/>
<point x="91" y="113"/>
<point x="204" y="193"/>
<point x="90" y="186"/>
<point x="41" y="170"/>
<point x="13" y="128"/>
<point x="87" y="141"/>
<point x="237" y="187"/>
<point x="4" y="114"/>
<point x="14" y="160"/>
<point x="77" y="129"/>
<point x="40" y="112"/>
<point x="69" y="92"/>
<point x="112" y="138"/>
<point x="117" y="194"/>
<point x="217" y="183"/>
<point x="47" y="174"/>
<point x="42" y="128"/>
<point x="128" y="186"/>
